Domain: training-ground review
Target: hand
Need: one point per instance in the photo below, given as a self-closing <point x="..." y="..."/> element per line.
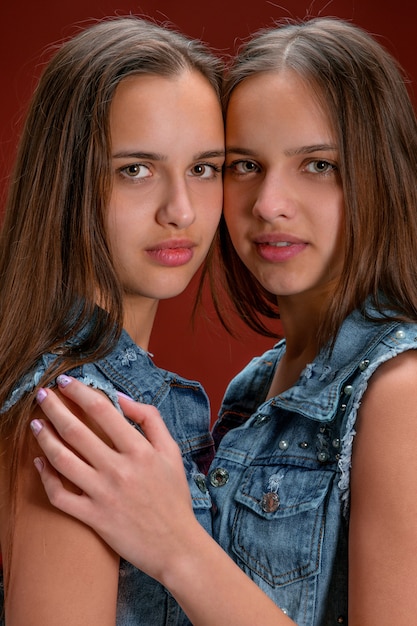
<point x="134" y="492"/>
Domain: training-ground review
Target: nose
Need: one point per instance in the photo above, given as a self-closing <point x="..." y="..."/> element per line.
<point x="176" y="208"/>
<point x="274" y="200"/>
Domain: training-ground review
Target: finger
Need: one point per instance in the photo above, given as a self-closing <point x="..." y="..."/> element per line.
<point x="98" y="408"/>
<point x="70" y="428"/>
<point x="150" y="421"/>
<point x="77" y="505"/>
<point x="62" y="459"/>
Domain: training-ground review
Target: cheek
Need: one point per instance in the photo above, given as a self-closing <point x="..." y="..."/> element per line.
<point x="337" y="236"/>
<point x="209" y="208"/>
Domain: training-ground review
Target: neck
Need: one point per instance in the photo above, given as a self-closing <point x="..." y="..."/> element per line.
<point x="300" y="317"/>
<point x="139" y="317"/>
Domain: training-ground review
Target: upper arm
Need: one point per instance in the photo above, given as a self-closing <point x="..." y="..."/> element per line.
<point x="383" y="520"/>
<point x="61" y="572"/>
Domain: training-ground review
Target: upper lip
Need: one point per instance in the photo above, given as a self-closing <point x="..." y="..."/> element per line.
<point x="172" y="244"/>
<point x="276" y="238"/>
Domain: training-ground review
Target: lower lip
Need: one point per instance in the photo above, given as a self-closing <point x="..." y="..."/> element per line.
<point x="171" y="257"/>
<point x="279" y="254"/>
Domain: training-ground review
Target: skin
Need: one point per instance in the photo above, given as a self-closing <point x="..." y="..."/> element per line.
<point x="285" y="192"/>
<point x="275" y="190"/>
<point x="167" y="189"/>
<point x="167" y="152"/>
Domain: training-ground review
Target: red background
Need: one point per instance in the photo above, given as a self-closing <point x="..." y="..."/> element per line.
<point x="27" y="27"/>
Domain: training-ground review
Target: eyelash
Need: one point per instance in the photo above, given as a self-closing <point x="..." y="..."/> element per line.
<point x="216" y="169"/>
<point x="234" y="165"/>
<point x="124" y="171"/>
<point x="330" y="167"/>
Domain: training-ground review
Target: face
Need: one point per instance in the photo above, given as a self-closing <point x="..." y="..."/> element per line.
<point x="167" y="153"/>
<point x="283" y="199"/>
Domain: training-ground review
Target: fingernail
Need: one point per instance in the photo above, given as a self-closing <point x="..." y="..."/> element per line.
<point x="41" y="395"/>
<point x="63" y="380"/>
<point x="39" y="464"/>
<point x="123" y="395"/>
<point x="36" y="426"/>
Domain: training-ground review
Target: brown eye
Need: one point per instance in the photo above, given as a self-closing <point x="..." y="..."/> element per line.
<point x="135" y="171"/>
<point x="205" y="170"/>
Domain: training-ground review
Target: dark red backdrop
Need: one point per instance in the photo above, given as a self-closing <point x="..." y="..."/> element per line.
<point x="27" y="28"/>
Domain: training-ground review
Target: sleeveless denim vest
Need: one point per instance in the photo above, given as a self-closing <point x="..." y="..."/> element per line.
<point x="185" y="409"/>
<point x="279" y="482"/>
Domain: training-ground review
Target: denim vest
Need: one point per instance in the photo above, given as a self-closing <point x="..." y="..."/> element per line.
<point x="280" y="478"/>
<point x="185" y="409"/>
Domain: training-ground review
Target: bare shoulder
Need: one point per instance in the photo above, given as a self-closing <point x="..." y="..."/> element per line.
<point x="383" y="531"/>
<point x="386" y="428"/>
<point x="50" y="550"/>
<point x="389" y="404"/>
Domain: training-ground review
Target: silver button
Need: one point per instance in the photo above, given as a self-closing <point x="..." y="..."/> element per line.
<point x="219" y="477"/>
<point x="200" y="481"/>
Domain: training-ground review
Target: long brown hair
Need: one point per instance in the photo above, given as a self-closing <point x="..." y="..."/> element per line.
<point x="55" y="262"/>
<point x="364" y="91"/>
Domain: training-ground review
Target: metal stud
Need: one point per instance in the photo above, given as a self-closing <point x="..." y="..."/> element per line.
<point x="348" y="390"/>
<point x="283" y="444"/>
<point x="400" y="334"/>
<point x="363" y="364"/>
<point x="270" y="502"/>
<point x="200" y="481"/>
<point x="261" y="420"/>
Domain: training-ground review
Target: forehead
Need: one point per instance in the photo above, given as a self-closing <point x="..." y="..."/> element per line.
<point x="271" y="102"/>
<point x="151" y="89"/>
<point x="153" y="107"/>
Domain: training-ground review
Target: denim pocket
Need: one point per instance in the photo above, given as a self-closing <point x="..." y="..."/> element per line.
<point x="279" y="523"/>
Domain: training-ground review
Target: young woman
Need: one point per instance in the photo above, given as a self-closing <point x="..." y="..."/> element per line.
<point x="114" y="203"/>
<point x="314" y="480"/>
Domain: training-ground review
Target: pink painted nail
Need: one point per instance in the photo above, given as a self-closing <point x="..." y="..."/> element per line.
<point x="41" y="395"/>
<point x="39" y="464"/>
<point x="63" y="380"/>
<point x="123" y="395"/>
<point x="36" y="426"/>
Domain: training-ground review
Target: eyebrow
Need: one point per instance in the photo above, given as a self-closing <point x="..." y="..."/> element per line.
<point x="155" y="156"/>
<point x="151" y="156"/>
<point x="320" y="147"/>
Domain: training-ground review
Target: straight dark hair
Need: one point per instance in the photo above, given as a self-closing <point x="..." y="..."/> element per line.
<point x="55" y="262"/>
<point x="364" y="91"/>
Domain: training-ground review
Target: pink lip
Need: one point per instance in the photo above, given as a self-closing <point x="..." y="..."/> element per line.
<point x="172" y="253"/>
<point x="278" y="248"/>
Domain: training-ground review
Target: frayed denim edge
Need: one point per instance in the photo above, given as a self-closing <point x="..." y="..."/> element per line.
<point x="345" y="461"/>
